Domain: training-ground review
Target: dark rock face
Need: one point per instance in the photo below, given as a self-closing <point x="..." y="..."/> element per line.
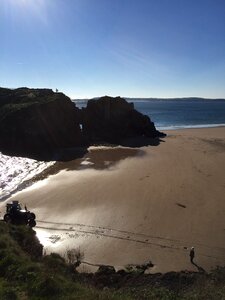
<point x="36" y="121"/>
<point x="113" y="119"/>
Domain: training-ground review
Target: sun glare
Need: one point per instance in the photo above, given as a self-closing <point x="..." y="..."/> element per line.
<point x="21" y="2"/>
<point x="23" y="9"/>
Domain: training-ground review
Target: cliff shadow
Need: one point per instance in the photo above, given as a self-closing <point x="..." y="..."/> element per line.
<point x="98" y="157"/>
<point x="69" y="154"/>
<point x="59" y="155"/>
<point x="102" y="157"/>
<point x="141" y="141"/>
<point x="73" y="153"/>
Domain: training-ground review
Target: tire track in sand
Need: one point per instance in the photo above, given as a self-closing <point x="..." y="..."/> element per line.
<point x="157" y="241"/>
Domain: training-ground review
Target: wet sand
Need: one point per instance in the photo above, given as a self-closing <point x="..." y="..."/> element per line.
<point x="128" y="206"/>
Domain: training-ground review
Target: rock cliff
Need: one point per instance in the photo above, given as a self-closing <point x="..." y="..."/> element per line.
<point x="114" y="119"/>
<point x="36" y="122"/>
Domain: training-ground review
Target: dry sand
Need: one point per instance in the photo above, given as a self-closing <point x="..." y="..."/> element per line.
<point x="128" y="206"/>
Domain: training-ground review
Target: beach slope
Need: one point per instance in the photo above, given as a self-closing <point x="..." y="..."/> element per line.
<point x="125" y="206"/>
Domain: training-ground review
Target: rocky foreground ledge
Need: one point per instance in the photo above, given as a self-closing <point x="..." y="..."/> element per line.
<point x="36" y="122"/>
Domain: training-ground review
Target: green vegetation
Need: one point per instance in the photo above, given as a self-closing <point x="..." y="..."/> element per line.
<point x="12" y="101"/>
<point x="26" y="274"/>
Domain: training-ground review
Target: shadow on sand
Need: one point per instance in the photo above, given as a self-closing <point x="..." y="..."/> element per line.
<point x="104" y="156"/>
<point x="141" y="141"/>
<point x="98" y="157"/>
<point x="69" y="154"/>
<point x="200" y="269"/>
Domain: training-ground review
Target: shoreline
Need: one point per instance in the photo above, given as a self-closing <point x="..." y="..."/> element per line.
<point x="129" y="207"/>
<point x="169" y="128"/>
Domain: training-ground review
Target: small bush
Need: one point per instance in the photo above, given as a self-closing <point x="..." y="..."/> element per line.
<point x="3" y="244"/>
<point x="3" y="253"/>
<point x="8" y="265"/>
<point x="74" y="257"/>
<point x="54" y="262"/>
<point x="27" y="272"/>
<point x="49" y="286"/>
<point x="8" y="293"/>
<point x="218" y="275"/>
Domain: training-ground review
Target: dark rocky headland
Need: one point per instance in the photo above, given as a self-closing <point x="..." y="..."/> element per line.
<point x="39" y="123"/>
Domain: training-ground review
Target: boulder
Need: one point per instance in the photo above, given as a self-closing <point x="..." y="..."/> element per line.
<point x="113" y="120"/>
<point x="106" y="270"/>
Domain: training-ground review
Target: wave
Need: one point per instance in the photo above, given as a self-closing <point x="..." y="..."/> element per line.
<point x="15" y="171"/>
<point x="174" y="127"/>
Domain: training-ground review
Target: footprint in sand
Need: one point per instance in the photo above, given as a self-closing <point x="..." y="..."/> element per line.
<point x="54" y="238"/>
<point x="181" y="205"/>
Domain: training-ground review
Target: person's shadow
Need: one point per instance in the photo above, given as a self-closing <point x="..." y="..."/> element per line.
<point x="200" y="269"/>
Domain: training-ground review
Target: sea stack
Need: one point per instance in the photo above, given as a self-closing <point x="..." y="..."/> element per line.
<point x="112" y="120"/>
<point x="40" y="122"/>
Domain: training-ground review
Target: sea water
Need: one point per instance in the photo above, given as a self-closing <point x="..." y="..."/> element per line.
<point x="166" y="114"/>
<point x="15" y="171"/>
<point x="177" y="113"/>
<point x="174" y="114"/>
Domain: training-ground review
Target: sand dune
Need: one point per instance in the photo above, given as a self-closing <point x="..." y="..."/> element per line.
<point x="125" y="206"/>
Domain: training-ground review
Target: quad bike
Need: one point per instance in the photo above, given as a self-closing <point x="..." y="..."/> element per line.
<point x="18" y="216"/>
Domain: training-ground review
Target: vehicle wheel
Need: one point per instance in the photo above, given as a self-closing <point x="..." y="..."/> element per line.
<point x="32" y="216"/>
<point x="7" y="218"/>
<point x="32" y="223"/>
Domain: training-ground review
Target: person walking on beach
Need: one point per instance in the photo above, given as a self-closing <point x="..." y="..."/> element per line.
<point x="192" y="254"/>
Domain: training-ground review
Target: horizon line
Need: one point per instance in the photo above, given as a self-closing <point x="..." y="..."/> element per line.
<point x="151" y="98"/>
<point x="126" y="97"/>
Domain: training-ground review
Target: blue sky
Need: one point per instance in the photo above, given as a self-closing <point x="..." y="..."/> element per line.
<point x="133" y="48"/>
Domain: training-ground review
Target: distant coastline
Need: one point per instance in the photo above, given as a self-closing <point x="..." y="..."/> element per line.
<point x="174" y="99"/>
<point x="157" y="99"/>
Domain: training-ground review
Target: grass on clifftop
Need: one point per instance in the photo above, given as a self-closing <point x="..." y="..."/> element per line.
<point x="12" y="101"/>
<point x="25" y="274"/>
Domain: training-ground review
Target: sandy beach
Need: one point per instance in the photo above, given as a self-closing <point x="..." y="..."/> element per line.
<point x="123" y="206"/>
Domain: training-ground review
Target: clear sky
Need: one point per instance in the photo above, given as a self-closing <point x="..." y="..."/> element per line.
<point x="133" y="48"/>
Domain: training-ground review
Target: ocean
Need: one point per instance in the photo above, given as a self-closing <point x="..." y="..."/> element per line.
<point x="166" y="114"/>
<point x="16" y="171"/>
